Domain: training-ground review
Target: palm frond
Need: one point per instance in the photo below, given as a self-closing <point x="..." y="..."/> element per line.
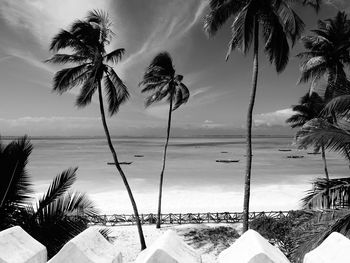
<point x="333" y="192"/>
<point x="156" y="97"/>
<point x="220" y="12"/>
<point x="117" y="93"/>
<point x="320" y="132"/>
<point x="87" y="91"/>
<point x="242" y="30"/>
<point x="15" y="187"/>
<point x="66" y="39"/>
<point x="115" y="56"/>
<point x="339" y="105"/>
<point x="69" y="78"/>
<point x="293" y="25"/>
<point x="59" y="186"/>
<point x="67" y="58"/>
<point x="276" y="46"/>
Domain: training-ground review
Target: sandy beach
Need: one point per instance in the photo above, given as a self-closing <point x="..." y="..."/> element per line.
<point x="126" y="239"/>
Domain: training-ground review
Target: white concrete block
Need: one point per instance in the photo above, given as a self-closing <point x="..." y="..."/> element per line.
<point x="17" y="246"/>
<point x="169" y="248"/>
<point x="251" y="247"/>
<point x="88" y="247"/>
<point x="335" y="249"/>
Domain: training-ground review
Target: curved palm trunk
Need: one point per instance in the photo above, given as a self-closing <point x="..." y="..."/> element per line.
<point x="163" y="167"/>
<point x="121" y="172"/>
<point x="326" y="173"/>
<point x="249" y="128"/>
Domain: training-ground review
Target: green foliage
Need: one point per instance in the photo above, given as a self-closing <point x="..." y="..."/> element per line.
<point x="217" y="237"/>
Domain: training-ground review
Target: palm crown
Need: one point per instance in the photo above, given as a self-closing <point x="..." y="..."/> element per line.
<point x="327" y="54"/>
<point x="309" y="107"/>
<point x="278" y="20"/>
<point x="160" y="78"/>
<point x="87" y="39"/>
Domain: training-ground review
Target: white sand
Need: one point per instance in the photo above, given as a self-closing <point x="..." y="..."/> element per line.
<point x="127" y="239"/>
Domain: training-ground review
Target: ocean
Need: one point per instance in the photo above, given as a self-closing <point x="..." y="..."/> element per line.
<point x="194" y="181"/>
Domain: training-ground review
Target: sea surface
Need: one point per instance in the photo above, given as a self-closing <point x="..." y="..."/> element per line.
<point x="194" y="181"/>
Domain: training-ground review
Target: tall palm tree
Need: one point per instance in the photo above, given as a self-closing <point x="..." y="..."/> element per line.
<point x="309" y="108"/>
<point x="87" y="40"/>
<point x="52" y="215"/>
<point x="278" y="23"/>
<point x="326" y="55"/>
<point x="161" y="80"/>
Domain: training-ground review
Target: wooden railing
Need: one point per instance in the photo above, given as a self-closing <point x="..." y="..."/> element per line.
<point x="189" y="218"/>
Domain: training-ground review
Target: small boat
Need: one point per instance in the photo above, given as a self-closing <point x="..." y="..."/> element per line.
<point x="314" y="153"/>
<point x="285" y="150"/>
<point x="227" y="161"/>
<point x="138" y="155"/>
<point x="224" y="152"/>
<point x="295" y="156"/>
<point x="121" y="163"/>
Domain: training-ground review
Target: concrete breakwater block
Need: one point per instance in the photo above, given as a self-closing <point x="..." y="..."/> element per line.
<point x="169" y="248"/>
<point x="88" y="247"/>
<point x="335" y="249"/>
<point x="251" y="247"/>
<point x="17" y="246"/>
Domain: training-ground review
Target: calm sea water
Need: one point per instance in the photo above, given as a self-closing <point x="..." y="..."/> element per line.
<point x="194" y="182"/>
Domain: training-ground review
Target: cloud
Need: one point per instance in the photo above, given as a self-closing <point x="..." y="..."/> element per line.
<point x="184" y="15"/>
<point x="273" y="118"/>
<point x="43" y="18"/>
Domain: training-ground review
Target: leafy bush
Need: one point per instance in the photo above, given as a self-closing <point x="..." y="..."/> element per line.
<point x="216" y="237"/>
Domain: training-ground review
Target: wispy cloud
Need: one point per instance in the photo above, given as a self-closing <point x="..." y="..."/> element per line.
<point x="167" y="31"/>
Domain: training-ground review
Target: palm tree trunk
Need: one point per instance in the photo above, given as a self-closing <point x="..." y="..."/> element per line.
<point x="249" y="128"/>
<point x="163" y="167"/>
<point x="121" y="172"/>
<point x="326" y="173"/>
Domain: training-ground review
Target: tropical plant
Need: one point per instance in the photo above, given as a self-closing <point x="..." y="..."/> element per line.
<point x="87" y="40"/>
<point x="309" y="107"/>
<point x="160" y="79"/>
<point x="326" y="55"/>
<point x="282" y="232"/>
<point x="58" y="215"/>
<point x="278" y="22"/>
<point x="335" y="137"/>
<point x="313" y="231"/>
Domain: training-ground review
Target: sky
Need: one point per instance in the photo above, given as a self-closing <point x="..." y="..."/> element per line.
<point x="219" y="90"/>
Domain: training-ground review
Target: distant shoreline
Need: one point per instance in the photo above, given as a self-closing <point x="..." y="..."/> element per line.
<point x="143" y="137"/>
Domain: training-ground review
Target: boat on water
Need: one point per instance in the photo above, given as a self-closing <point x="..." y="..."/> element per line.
<point x="138" y="155"/>
<point x="285" y="150"/>
<point x="227" y="161"/>
<point x="121" y="163"/>
<point x="314" y="153"/>
<point x="295" y="156"/>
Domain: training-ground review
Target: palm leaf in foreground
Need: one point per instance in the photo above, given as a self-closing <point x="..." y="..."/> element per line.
<point x="335" y="192"/>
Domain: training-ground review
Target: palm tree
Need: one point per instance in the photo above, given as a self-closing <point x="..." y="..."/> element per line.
<point x="279" y="23"/>
<point x="326" y="55"/>
<point x="58" y="213"/>
<point x="335" y="137"/>
<point x="87" y="40"/>
<point x="161" y="80"/>
<point x="309" y="107"/>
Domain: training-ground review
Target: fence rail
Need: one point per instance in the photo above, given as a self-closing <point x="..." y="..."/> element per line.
<point x="189" y="218"/>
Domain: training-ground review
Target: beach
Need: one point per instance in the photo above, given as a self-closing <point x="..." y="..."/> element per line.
<point x="194" y="181"/>
<point x="126" y="239"/>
